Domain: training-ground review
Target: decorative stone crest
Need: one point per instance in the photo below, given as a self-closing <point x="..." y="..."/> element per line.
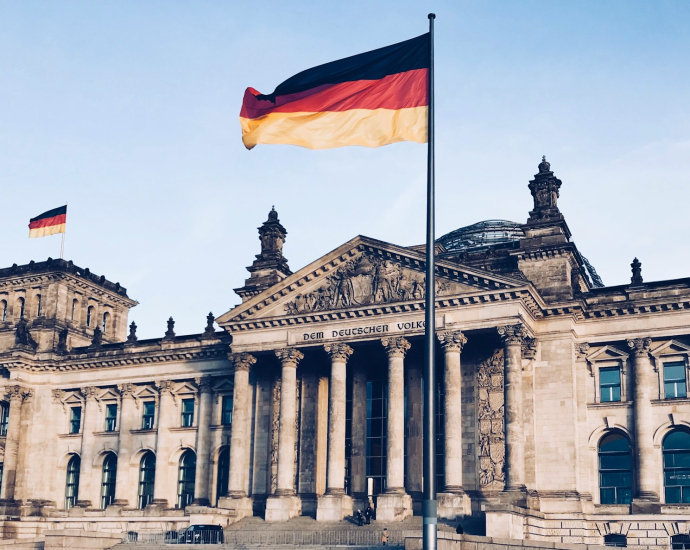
<point x="242" y="361"/>
<point x="582" y="351"/>
<point x="545" y="192"/>
<point x="529" y="348"/>
<point x="132" y="338"/>
<point x="97" y="338"/>
<point x="364" y="281"/>
<point x="396" y="346"/>
<point x="452" y="340"/>
<point x="289" y="357"/>
<point x="636" y="278"/>
<point x="490" y="419"/>
<point x="126" y="390"/>
<point x="170" y="333"/>
<point x="58" y="395"/>
<point x="209" y="331"/>
<point x="165" y="386"/>
<point x="338" y="352"/>
<point x="18" y="393"/>
<point x="512" y="334"/>
<point x="89" y="392"/>
<point x="640" y="346"/>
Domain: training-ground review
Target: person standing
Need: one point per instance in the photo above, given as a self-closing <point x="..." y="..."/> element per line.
<point x="368" y="513"/>
<point x="384" y="537"/>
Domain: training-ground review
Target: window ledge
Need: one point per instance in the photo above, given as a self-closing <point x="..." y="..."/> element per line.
<point x="610" y="404"/>
<point x="114" y="432"/>
<point x="184" y="429"/>
<point x="144" y="431"/>
<point x="69" y="436"/>
<point x="671" y="401"/>
<point x="614" y="509"/>
<point x="675" y="508"/>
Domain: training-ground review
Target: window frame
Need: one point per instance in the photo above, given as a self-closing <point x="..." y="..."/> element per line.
<point x="186" y="414"/>
<point x="114" y="420"/>
<point x="185" y="498"/>
<point x="665" y="468"/>
<point x="665" y="362"/>
<point x="72" y="496"/>
<point x="90" y="312"/>
<point x="144" y="498"/>
<point x="223" y="400"/>
<point x="71" y="420"/>
<point x="4" y="305"/>
<point x="108" y="480"/>
<point x="144" y="416"/>
<point x="4" y="417"/>
<point x="37" y="299"/>
<point x="620" y="384"/>
<point x="621" y="365"/>
<point x="22" y="307"/>
<point x="601" y="470"/>
<point x="671" y="351"/>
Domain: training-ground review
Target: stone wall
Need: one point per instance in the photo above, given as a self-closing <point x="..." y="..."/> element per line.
<point x="451" y="541"/>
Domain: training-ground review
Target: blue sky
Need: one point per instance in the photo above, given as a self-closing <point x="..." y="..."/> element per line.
<point x="129" y="111"/>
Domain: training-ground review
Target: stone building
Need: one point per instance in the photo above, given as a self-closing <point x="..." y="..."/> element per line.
<point x="563" y="403"/>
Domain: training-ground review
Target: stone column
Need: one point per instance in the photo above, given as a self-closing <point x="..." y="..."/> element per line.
<point x="237" y="498"/>
<point x="162" y="486"/>
<point x="512" y="336"/>
<point x="126" y="489"/>
<point x="453" y="501"/>
<point x="395" y="504"/>
<point x="285" y="504"/>
<point x="335" y="504"/>
<point x="414" y="431"/>
<point x="89" y="478"/>
<point x="203" y="443"/>
<point x="358" y="455"/>
<point x="16" y="395"/>
<point x="644" y="381"/>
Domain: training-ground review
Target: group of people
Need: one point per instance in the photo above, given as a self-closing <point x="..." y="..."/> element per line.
<point x="365" y="517"/>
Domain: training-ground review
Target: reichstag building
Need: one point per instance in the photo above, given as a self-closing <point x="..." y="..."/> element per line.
<point x="563" y="410"/>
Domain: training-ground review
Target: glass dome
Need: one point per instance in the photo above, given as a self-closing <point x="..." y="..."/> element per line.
<point x="478" y="235"/>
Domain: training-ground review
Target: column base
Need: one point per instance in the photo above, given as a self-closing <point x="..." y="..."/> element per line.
<point x="647" y="503"/>
<point x="393" y="507"/>
<point x="454" y="505"/>
<point x="334" y="507"/>
<point x="243" y="506"/>
<point x="515" y="496"/>
<point x="282" y="508"/>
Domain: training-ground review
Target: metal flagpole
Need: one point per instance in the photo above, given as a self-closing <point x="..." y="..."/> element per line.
<point x="62" y="246"/>
<point x="429" y="452"/>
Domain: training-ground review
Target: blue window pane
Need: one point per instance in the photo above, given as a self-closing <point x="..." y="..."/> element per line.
<point x="677" y="440"/>
<point x="610" y="376"/>
<point x="625" y="496"/>
<point x="674" y="371"/>
<point x="608" y="496"/>
<point x="672" y="495"/>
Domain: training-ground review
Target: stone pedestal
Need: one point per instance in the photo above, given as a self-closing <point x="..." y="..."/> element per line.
<point x="334" y="507"/>
<point x="242" y="506"/>
<point x="282" y="508"/>
<point x="453" y="506"/>
<point x="393" y="507"/>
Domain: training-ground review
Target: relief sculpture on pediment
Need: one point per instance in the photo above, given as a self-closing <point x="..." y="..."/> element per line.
<point x="490" y="420"/>
<point x="365" y="281"/>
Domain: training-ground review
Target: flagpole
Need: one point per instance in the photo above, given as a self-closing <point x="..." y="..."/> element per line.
<point x="62" y="246"/>
<point x="429" y="452"/>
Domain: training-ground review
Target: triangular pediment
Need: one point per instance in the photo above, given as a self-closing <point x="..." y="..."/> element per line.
<point x="364" y="273"/>
<point x="108" y="394"/>
<point x="185" y="388"/>
<point x="607" y="353"/>
<point x="672" y="347"/>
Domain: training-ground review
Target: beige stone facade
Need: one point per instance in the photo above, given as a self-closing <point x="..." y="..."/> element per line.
<point x="563" y="412"/>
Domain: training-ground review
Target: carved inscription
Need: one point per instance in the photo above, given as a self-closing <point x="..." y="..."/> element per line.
<point x="490" y="419"/>
<point x="363" y="281"/>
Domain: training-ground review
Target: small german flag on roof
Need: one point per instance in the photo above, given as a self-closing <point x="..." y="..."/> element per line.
<point x="49" y="223"/>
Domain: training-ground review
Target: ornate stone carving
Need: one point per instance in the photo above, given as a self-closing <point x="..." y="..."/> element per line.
<point x="272" y="236"/>
<point x="164" y="386"/>
<point x="275" y="429"/>
<point x="170" y="333"/>
<point x="22" y="336"/>
<point x="89" y="392"/>
<point x="529" y="348"/>
<point x="126" y="390"/>
<point x="490" y="419"/>
<point x="338" y="352"/>
<point x="452" y="340"/>
<point x="62" y="341"/>
<point x="545" y="192"/>
<point x="396" y="346"/>
<point x="581" y="351"/>
<point x="640" y="346"/>
<point x="242" y="361"/>
<point x="289" y="357"/>
<point x="209" y="331"/>
<point x="203" y="383"/>
<point x="365" y="280"/>
<point x="512" y="334"/>
<point x="17" y="392"/>
<point x="132" y="338"/>
<point x="58" y="395"/>
<point x="636" y="278"/>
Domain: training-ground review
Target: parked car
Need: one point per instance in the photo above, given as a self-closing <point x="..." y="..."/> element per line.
<point x="203" y="534"/>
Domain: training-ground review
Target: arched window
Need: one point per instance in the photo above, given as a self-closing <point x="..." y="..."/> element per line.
<point x="223" y="472"/>
<point x="75" y="304"/>
<point x="680" y="542"/>
<point x="147" y="477"/>
<point x="615" y="470"/>
<point x="3" y="307"/>
<point x="89" y="315"/>
<point x="676" y="451"/>
<point x="106" y="322"/>
<point x="185" y="479"/>
<point x="38" y="305"/>
<point x="108" y="480"/>
<point x="72" y="485"/>
<point x="619" y="541"/>
<point x="20" y="307"/>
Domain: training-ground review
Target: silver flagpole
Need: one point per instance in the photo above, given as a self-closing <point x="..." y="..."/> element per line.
<point x="429" y="492"/>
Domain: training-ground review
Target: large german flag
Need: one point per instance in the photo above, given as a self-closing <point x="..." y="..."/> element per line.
<point x="370" y="99"/>
<point x="49" y="223"/>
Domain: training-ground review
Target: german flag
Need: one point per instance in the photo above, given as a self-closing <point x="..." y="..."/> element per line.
<point x="49" y="223"/>
<point x="371" y="99"/>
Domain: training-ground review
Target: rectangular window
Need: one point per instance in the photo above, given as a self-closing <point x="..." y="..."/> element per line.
<point x="674" y="380"/>
<point x="226" y="415"/>
<point x="610" y="384"/>
<point x="110" y="417"/>
<point x="149" y="415"/>
<point x="4" y="418"/>
<point x="75" y="420"/>
<point x="187" y="419"/>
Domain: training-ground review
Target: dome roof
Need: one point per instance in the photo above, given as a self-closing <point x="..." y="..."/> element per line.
<point x="478" y="235"/>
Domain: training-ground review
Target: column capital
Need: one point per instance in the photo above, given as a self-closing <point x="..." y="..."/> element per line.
<point x="289" y="357"/>
<point x="529" y="347"/>
<point x="338" y="352"/>
<point x="452" y="340"/>
<point x="164" y="386"/>
<point x="203" y="383"/>
<point x="640" y="346"/>
<point x="581" y="351"/>
<point x="395" y="346"/>
<point x="512" y="334"/>
<point x="18" y="392"/>
<point x="126" y="390"/>
<point x="89" y="392"/>
<point x="242" y="361"/>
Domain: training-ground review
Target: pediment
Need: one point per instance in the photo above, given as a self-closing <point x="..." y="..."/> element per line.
<point x="108" y="394"/>
<point x="364" y="273"/>
<point x="224" y="385"/>
<point x="185" y="388"/>
<point x="607" y="353"/>
<point x="145" y="392"/>
<point x="672" y="347"/>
